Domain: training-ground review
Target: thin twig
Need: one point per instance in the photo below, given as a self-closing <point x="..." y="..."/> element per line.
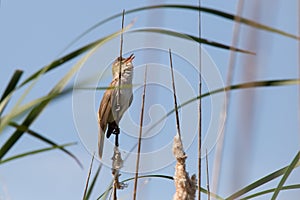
<point x="200" y="108"/>
<point x="120" y="76"/>
<point x="174" y="93"/>
<point x="88" y="178"/>
<point x="140" y="138"/>
<point x="116" y="172"/>
<point x="232" y="60"/>
<point x="207" y="177"/>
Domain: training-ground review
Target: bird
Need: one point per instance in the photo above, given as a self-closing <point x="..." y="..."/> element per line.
<point x="113" y="106"/>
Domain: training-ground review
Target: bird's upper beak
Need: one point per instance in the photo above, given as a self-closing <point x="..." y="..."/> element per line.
<point x="129" y="59"/>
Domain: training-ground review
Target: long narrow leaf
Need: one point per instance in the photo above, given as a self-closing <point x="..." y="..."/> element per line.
<point x="64" y="59"/>
<point x="288" y="187"/>
<point x="88" y="179"/>
<point x="24" y="108"/>
<point x="269" y="83"/>
<point x="162" y="177"/>
<point x="286" y="175"/>
<point x="259" y="182"/>
<point x="44" y="139"/>
<point x="192" y="38"/>
<point x="36" y="111"/>
<point x="92" y="186"/>
<point x="193" y="8"/>
<point x="9" y="89"/>
<point x="35" y="152"/>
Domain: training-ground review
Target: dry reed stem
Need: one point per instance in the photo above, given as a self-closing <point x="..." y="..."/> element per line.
<point x="140" y="137"/>
<point x="207" y="177"/>
<point x="117" y="159"/>
<point x="185" y="186"/>
<point x="174" y="95"/>
<point x="200" y="107"/>
<point x="120" y="67"/>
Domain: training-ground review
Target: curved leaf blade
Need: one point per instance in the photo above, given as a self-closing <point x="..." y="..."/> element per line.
<point x="9" y="89"/>
<point x="288" y="171"/>
<point x="35" y="152"/>
<point x="288" y="187"/>
<point x="269" y="83"/>
<point x="92" y="186"/>
<point x="192" y="38"/>
<point x="192" y="8"/>
<point x="158" y="176"/>
<point x="44" y="139"/>
<point x="63" y="60"/>
<point x="260" y="182"/>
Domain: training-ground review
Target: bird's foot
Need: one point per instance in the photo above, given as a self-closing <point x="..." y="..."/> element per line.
<point x="114" y="129"/>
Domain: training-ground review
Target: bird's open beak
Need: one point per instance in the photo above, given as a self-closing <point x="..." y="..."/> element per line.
<point x="129" y="59"/>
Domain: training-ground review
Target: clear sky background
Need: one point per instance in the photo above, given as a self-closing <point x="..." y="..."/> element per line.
<point x="262" y="131"/>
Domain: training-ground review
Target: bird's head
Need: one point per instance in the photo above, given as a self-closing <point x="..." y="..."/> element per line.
<point x="126" y="64"/>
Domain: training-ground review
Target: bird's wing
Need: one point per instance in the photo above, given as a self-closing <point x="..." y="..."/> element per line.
<point x="104" y="115"/>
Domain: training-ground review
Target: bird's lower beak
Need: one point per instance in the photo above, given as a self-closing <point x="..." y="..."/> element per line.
<point x="129" y="59"/>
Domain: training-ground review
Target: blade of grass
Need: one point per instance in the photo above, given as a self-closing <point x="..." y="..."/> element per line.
<point x="18" y="111"/>
<point x="36" y="111"/>
<point x="192" y="38"/>
<point x="88" y="179"/>
<point x="90" y="190"/>
<point x="260" y="182"/>
<point x="268" y="83"/>
<point x="288" y="187"/>
<point x="26" y="107"/>
<point x="288" y="171"/>
<point x="35" y="152"/>
<point x="44" y="139"/>
<point x="9" y="89"/>
<point x="58" y="62"/>
<point x="162" y="177"/>
<point x="187" y="7"/>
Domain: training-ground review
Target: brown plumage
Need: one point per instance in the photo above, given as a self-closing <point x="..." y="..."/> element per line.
<point x="108" y="116"/>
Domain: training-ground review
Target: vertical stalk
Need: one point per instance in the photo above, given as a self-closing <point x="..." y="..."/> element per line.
<point x="200" y="107"/>
<point x="207" y="176"/>
<point x="140" y="138"/>
<point x="174" y="93"/>
<point x="116" y="171"/>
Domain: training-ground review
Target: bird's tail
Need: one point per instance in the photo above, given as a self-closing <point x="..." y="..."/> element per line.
<point x="101" y="137"/>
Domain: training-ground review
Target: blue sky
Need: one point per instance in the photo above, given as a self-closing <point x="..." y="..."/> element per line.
<point x="33" y="33"/>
